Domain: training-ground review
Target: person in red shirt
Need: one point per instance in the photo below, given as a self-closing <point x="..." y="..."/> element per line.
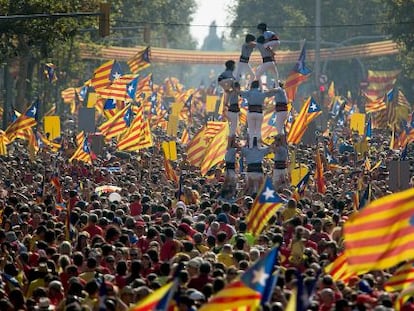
<point x="170" y="246"/>
<point x="198" y="282"/>
<point x="135" y="207"/>
<point x="92" y="228"/>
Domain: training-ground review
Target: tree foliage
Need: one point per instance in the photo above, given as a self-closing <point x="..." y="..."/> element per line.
<point x="400" y="26"/>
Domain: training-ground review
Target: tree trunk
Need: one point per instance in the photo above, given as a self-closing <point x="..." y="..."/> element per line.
<point x="21" y="83"/>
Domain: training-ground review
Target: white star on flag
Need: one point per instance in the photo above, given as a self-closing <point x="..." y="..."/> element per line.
<point x="116" y="75"/>
<point x="260" y="276"/>
<point x="313" y="107"/>
<point x="33" y="110"/>
<point x="329" y="158"/>
<point x="130" y="88"/>
<point x="268" y="193"/>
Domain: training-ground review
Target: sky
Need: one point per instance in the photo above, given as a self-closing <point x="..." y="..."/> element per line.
<point x="208" y="11"/>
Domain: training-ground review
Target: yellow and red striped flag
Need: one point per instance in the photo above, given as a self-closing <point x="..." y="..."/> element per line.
<point x="319" y="177"/>
<point x="117" y="125"/>
<point x="169" y="171"/>
<point x="46" y="143"/>
<point x="403" y="297"/>
<point x="380" y="235"/>
<point x="83" y="153"/>
<point x="24" y="121"/>
<point x="402" y="278"/>
<point x="185" y="137"/>
<point x="216" y="149"/>
<point x="297" y="76"/>
<point x="331" y="90"/>
<point x="374" y="104"/>
<point x="379" y="82"/>
<point x="55" y="181"/>
<point x="247" y="292"/>
<point x="138" y="136"/>
<point x="265" y="205"/>
<point x="4" y="141"/>
<point x="339" y="269"/>
<point x="117" y="90"/>
<point x="197" y="147"/>
<point x="140" y="61"/>
<point x="310" y="110"/>
<point x="157" y="300"/>
<point x="102" y="75"/>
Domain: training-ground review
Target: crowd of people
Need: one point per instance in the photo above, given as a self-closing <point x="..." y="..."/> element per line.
<point x="56" y="257"/>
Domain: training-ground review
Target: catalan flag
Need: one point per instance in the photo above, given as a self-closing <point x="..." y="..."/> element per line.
<point x="185" y="137"/>
<point x="310" y="110"/>
<point x="44" y="142"/>
<point x="380" y="235"/>
<point x="300" y="297"/>
<point x="331" y="90"/>
<point x="301" y="187"/>
<point x="24" y="121"/>
<point x="169" y="171"/>
<point x="118" y="124"/>
<point x="265" y="205"/>
<point x="140" y="61"/>
<point x="402" y="278"/>
<point x="246" y="292"/>
<point x="158" y="300"/>
<point x="118" y="88"/>
<point x="319" y="178"/>
<point x="298" y="75"/>
<point x="374" y="104"/>
<point x="105" y="74"/>
<point x="403" y="298"/>
<point x="55" y="181"/>
<point x="131" y="88"/>
<point x="216" y="149"/>
<point x="332" y="162"/>
<point x="83" y="153"/>
<point x="197" y="147"/>
<point x="138" y="136"/>
<point x="50" y="72"/>
<point x="4" y="141"/>
<point x="339" y="270"/>
<point x="380" y="82"/>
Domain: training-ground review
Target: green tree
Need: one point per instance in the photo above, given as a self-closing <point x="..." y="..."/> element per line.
<point x="400" y="25"/>
<point x="27" y="43"/>
<point x="167" y="21"/>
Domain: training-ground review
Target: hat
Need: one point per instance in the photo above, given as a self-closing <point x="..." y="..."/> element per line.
<point x="196" y="295"/>
<point x="44" y="304"/>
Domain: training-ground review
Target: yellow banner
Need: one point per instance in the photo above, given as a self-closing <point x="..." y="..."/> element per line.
<point x="51" y="127"/>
